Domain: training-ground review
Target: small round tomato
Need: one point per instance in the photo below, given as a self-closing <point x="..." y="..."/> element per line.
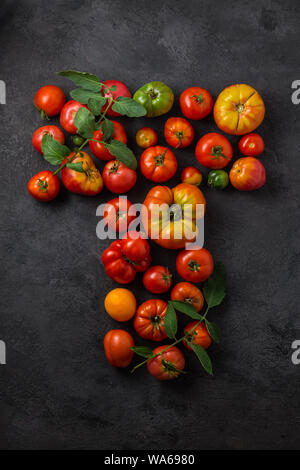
<point x="195" y="103"/>
<point x="53" y="131"/>
<point x="191" y="175"/>
<point x="214" y="151"/>
<point x="116" y="213"/>
<point x="117" y="177"/>
<point x="218" y="179"/>
<point x="117" y="347"/>
<point x="195" y="265"/>
<point x="44" y="186"/>
<point x="146" y="137"/>
<point x="251" y="145"/>
<point x="168" y="364"/>
<point x="178" y="132"/>
<point x="99" y="149"/>
<point x="157" y="279"/>
<point x="158" y="164"/>
<point x="120" y="304"/>
<point x="199" y="335"/>
<point x="149" y="320"/>
<point x="247" y="174"/>
<point x="188" y="293"/>
<point x="87" y="182"/>
<point x="67" y="115"/>
<point x="49" y="100"/>
<point x="121" y="90"/>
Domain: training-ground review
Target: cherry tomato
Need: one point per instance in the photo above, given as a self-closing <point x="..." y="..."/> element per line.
<point x="158" y="164"/>
<point x="188" y="293"/>
<point x="251" y="145"/>
<point x="120" y="304"/>
<point x="218" y="179"/>
<point x="54" y="131"/>
<point x="168" y="365"/>
<point x="49" y="100"/>
<point x="67" y="115"/>
<point x="116" y="214"/>
<point x="117" y="347"/>
<point x="214" y="151"/>
<point x="247" y="174"/>
<point x="99" y="149"/>
<point x="157" y="279"/>
<point x="178" y="132"/>
<point x="122" y="90"/>
<point x="195" y="265"/>
<point x="89" y="182"/>
<point x="191" y="175"/>
<point x="149" y="320"/>
<point x="44" y="186"/>
<point x="146" y="137"/>
<point x="198" y="336"/>
<point x="195" y="103"/>
<point x="117" y="177"/>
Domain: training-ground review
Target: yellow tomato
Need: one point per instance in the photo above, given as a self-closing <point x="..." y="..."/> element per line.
<point x="120" y="304"/>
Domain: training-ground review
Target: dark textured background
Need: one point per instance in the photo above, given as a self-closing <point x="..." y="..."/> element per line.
<point x="57" y="389"/>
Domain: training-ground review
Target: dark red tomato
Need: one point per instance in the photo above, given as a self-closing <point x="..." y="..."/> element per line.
<point x="146" y="137"/>
<point x="168" y="364"/>
<point x="198" y="335"/>
<point x="116" y="213"/>
<point x="178" y="132"/>
<point x="67" y="115"/>
<point x="49" y="100"/>
<point x="122" y="90"/>
<point x="149" y="320"/>
<point x="195" y="103"/>
<point x="251" y="145"/>
<point x="214" y="151"/>
<point x="99" y="149"/>
<point x="195" y="265"/>
<point x="117" y="177"/>
<point x="158" y="164"/>
<point x="157" y="279"/>
<point x="53" y="131"/>
<point x="44" y="186"/>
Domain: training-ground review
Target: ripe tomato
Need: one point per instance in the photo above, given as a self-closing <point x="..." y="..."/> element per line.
<point x="116" y="214"/>
<point x="146" y="137"/>
<point x="135" y="247"/>
<point x="191" y="175"/>
<point x="67" y="115"/>
<point x="89" y="182"/>
<point x="117" y="347"/>
<point x="251" y="145"/>
<point x="49" y="100"/>
<point x="239" y="109"/>
<point x="188" y="293"/>
<point x="195" y="265"/>
<point x="214" y="151"/>
<point x="157" y="279"/>
<point x="199" y="336"/>
<point x="44" y="186"/>
<point x="178" y="132"/>
<point x="168" y="364"/>
<point x="54" y="131"/>
<point x="122" y="90"/>
<point x="247" y="174"/>
<point x="195" y="103"/>
<point x="117" y="177"/>
<point x="120" y="304"/>
<point x="99" y="149"/>
<point x="158" y="164"/>
<point x="149" y="320"/>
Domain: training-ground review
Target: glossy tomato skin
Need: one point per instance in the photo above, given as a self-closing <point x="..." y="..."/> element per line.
<point x="89" y="182"/>
<point x="135" y="247"/>
<point x="116" y="213"/>
<point x="149" y="320"/>
<point x="122" y="90"/>
<point x="44" y="186"/>
<point x="158" y="164"/>
<point x="195" y="265"/>
<point x="167" y="365"/>
<point x="247" y="174"/>
<point x="99" y="149"/>
<point x="157" y="279"/>
<point x="146" y="137"/>
<point x="67" y="115"/>
<point x="218" y="179"/>
<point x="214" y="151"/>
<point x="188" y="293"/>
<point x="199" y="336"/>
<point x="251" y="145"/>
<point x="53" y="131"/>
<point x="49" y="100"/>
<point x="117" y="347"/>
<point x="156" y="97"/>
<point x="120" y="304"/>
<point x="195" y="103"/>
<point x="191" y="175"/>
<point x="118" y="178"/>
<point x="178" y="132"/>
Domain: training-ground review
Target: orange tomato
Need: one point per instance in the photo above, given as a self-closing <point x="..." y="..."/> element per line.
<point x="117" y="347"/>
<point x="120" y="304"/>
<point x="89" y="182"/>
<point x="199" y="336"/>
<point x="247" y="174"/>
<point x="146" y="137"/>
<point x="191" y="175"/>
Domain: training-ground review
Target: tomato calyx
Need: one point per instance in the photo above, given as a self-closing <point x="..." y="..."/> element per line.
<point x="152" y="94"/>
<point x="159" y="160"/>
<point x="43" y="186"/>
<point x="240" y="107"/>
<point x="216" y="152"/>
<point x="180" y="136"/>
<point x="193" y="265"/>
<point x="134" y="263"/>
<point x="120" y="214"/>
<point x="167" y="276"/>
<point x="198" y="98"/>
<point x="169" y="368"/>
<point x="156" y="320"/>
<point x="175" y="213"/>
<point x="115" y="167"/>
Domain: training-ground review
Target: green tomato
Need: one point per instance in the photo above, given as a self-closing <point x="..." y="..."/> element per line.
<point x="218" y="179"/>
<point x="156" y="97"/>
<point x="77" y="140"/>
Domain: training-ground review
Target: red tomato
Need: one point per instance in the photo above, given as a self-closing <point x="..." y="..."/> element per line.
<point x="157" y="279"/>
<point x="198" y="336"/>
<point x="168" y="364"/>
<point x="117" y="177"/>
<point x="135" y="247"/>
<point x="54" y="131"/>
<point x="89" y="182"/>
<point x="195" y="265"/>
<point x="44" y="186"/>
<point x="251" y="145"/>
<point x="178" y="132"/>
<point x="99" y="149"/>
<point x="195" y="103"/>
<point x="122" y="90"/>
<point x="149" y="320"/>
<point x="214" y="151"/>
<point x="146" y="137"/>
<point x="67" y="115"/>
<point x="116" y="214"/>
<point x="117" y="347"/>
<point x="158" y="164"/>
<point x="247" y="174"/>
<point x="188" y="293"/>
<point x="49" y="100"/>
<point x="191" y="175"/>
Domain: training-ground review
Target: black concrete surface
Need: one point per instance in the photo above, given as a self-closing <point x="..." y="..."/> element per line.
<point x="57" y="389"/>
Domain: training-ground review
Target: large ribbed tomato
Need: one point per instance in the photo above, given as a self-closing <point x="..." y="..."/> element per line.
<point x="88" y="182"/>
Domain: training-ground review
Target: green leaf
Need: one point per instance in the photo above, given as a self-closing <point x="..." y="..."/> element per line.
<point x="203" y="357"/>
<point x="113" y="88"/>
<point x="76" y="167"/>
<point x="170" y="323"/>
<point x="82" y="79"/>
<point x="54" y="152"/>
<point x="107" y="129"/>
<point x="186" y="308"/>
<point x="213" y="330"/>
<point x="214" y="287"/>
<point x="122" y="153"/>
<point x="142" y="351"/>
<point x="128" y="107"/>
<point x="96" y="105"/>
<point x="85" y="122"/>
<point x="83" y="96"/>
